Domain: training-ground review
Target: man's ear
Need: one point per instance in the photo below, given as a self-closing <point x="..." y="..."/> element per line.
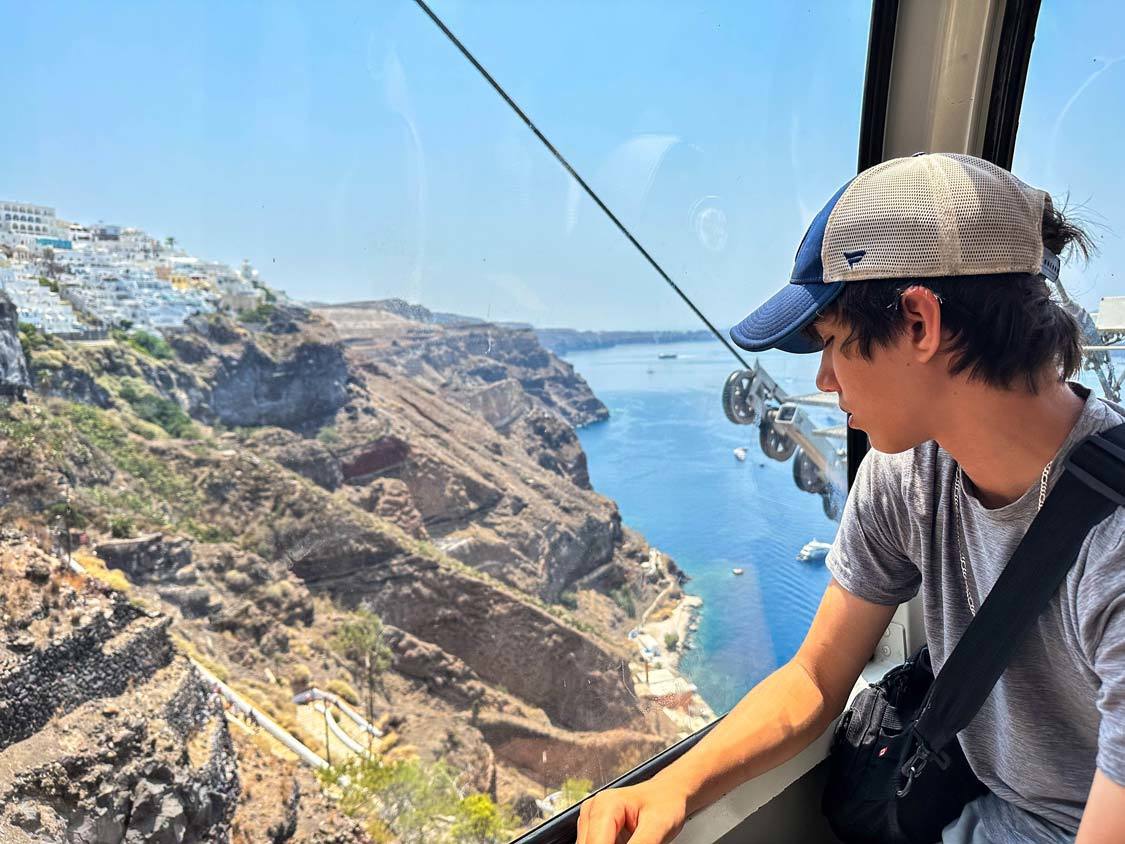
<point x="921" y="311"/>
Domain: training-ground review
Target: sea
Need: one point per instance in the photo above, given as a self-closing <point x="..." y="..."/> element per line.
<point x="666" y="456"/>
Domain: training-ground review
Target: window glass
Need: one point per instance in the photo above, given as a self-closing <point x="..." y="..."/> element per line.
<point x="1069" y="123"/>
<point x="315" y="351"/>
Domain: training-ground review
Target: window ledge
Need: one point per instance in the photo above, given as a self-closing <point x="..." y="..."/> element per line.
<point x="714" y="821"/>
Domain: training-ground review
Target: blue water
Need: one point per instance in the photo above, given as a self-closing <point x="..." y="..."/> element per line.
<point x="666" y="456"/>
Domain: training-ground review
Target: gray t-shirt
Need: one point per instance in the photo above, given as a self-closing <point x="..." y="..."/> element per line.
<point x="1059" y="707"/>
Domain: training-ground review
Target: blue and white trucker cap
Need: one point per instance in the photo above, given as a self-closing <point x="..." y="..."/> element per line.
<point x="926" y="216"/>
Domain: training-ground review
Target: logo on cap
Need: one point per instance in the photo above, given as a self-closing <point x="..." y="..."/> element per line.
<point x="854" y="258"/>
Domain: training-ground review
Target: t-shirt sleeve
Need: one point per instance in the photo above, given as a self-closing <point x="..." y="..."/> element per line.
<point x="1101" y="613"/>
<point x="868" y="557"/>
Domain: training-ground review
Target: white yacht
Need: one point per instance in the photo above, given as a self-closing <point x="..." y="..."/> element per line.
<point x="813" y="551"/>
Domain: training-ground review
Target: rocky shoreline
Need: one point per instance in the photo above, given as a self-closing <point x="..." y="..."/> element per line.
<point x="665" y="632"/>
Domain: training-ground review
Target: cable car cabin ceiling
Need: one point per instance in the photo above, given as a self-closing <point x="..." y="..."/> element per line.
<point x="822" y="464"/>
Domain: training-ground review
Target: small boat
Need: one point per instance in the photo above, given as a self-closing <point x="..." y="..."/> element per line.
<point x="813" y="551"/>
<point x="736" y="571"/>
<point x="666" y="355"/>
<point x="740" y="453"/>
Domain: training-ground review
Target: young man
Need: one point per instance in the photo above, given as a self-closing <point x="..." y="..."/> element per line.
<point x="922" y="284"/>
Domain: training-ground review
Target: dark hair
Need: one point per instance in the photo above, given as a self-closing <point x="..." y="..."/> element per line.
<point x="1002" y="329"/>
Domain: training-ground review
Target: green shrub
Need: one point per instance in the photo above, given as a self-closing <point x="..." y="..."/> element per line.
<point x="31" y="338"/>
<point x="569" y="600"/>
<point x="574" y="790"/>
<point x="478" y="821"/>
<point x="279" y="594"/>
<point x="260" y="313"/>
<point x="417" y="803"/>
<point x="122" y="527"/>
<point x="152" y="345"/>
<point x="624" y="599"/>
<point x="344" y="689"/>
<point x="671" y="640"/>
<point x="159" y="411"/>
<point x="75" y="519"/>
<point x="328" y="435"/>
<point x="207" y="532"/>
<point x="300" y="678"/>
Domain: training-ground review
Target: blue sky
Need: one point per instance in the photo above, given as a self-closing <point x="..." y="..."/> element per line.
<point x="349" y="152"/>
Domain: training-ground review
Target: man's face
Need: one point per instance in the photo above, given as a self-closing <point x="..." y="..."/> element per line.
<point x="886" y="395"/>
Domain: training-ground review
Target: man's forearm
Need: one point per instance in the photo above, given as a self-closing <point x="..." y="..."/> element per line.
<point x="775" y="721"/>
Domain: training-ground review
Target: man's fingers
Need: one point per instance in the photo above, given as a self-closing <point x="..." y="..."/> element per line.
<point x="584" y="822"/>
<point x="649" y="833"/>
<point x="603" y="820"/>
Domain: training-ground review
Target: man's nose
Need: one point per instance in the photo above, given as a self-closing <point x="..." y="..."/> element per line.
<point x="826" y="375"/>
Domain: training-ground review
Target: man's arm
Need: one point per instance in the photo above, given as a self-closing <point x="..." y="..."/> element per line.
<point x="786" y="712"/>
<point x="1104" y="817"/>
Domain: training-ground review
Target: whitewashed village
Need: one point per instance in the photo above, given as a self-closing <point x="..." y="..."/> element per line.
<point x="77" y="281"/>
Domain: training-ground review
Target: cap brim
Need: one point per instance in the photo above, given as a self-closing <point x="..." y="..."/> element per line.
<point x="777" y="324"/>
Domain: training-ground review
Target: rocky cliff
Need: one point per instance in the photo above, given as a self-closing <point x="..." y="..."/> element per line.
<point x="14" y="379"/>
<point x="352" y="315"/>
<point x="106" y="734"/>
<point x="267" y="482"/>
<point x="562" y="341"/>
<point x="473" y="364"/>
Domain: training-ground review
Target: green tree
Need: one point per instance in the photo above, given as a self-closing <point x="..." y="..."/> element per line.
<point x="417" y="803"/>
<point x="361" y="642"/>
<point x="671" y="640"/>
<point x="479" y="821"/>
<point x="575" y="790"/>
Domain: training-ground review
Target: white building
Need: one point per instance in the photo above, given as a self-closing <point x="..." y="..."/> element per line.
<point x="79" y="233"/>
<point x="115" y="289"/>
<point x="37" y="304"/>
<point x="110" y="274"/>
<point x="33" y="226"/>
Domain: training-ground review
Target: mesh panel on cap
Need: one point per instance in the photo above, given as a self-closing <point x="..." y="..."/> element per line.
<point x="999" y="218"/>
<point x="934" y="215"/>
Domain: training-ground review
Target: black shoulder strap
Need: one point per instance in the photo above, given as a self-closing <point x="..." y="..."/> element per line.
<point x="1091" y="487"/>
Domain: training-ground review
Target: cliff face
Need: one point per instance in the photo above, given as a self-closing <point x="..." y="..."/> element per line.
<point x="428" y="473"/>
<point x="564" y="340"/>
<point x="95" y="712"/>
<point x="468" y="362"/>
<point x="14" y="379"/>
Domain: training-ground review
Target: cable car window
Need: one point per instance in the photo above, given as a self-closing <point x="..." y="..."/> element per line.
<point x="1065" y="144"/>
<point x="339" y="420"/>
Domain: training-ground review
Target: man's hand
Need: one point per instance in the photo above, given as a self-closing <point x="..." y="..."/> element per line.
<point x="775" y="721"/>
<point x="649" y="813"/>
<point x="1103" y="820"/>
